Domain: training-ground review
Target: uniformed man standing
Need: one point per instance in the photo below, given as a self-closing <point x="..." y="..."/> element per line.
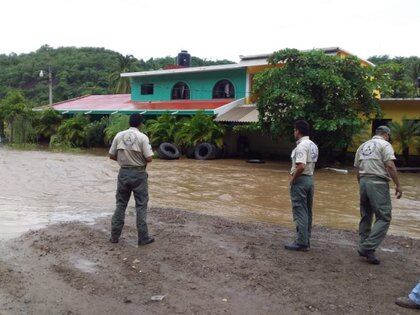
<point x="375" y="167"/>
<point x="132" y="150"/>
<point x="304" y="157"/>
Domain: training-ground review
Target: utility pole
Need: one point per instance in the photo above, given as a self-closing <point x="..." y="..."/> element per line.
<point x="41" y="75"/>
<point x="50" y="85"/>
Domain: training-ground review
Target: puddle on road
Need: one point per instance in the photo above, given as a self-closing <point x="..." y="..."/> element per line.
<point x="41" y="188"/>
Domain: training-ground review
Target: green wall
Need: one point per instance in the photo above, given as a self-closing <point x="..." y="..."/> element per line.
<point x="201" y="84"/>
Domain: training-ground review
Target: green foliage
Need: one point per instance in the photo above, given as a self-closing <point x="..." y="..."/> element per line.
<point x="197" y="129"/>
<point x="48" y="122"/>
<point x="95" y="133"/>
<point x="333" y="94"/>
<point x="71" y="133"/>
<point x="248" y="128"/>
<point x="397" y="75"/>
<point x="76" y="72"/>
<point x="162" y="129"/>
<point x="116" y="123"/>
<point x="18" y="117"/>
<point x="405" y="134"/>
<point x="119" y="84"/>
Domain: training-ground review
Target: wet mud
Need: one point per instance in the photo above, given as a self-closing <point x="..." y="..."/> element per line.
<point x="200" y="264"/>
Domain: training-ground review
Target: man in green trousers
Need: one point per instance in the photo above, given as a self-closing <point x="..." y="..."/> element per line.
<point x="304" y="157"/>
<point x="374" y="161"/>
<point x="131" y="149"/>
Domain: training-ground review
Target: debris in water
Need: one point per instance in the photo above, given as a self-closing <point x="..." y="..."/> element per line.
<point x="224" y="300"/>
<point x="338" y="170"/>
<point x="157" y="297"/>
<point x="136" y="261"/>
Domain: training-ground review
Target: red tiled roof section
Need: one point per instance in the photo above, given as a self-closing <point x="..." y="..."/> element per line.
<point x="123" y="102"/>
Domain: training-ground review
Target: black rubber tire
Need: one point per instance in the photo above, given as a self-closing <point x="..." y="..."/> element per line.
<point x="168" y="151"/>
<point x="205" y="151"/>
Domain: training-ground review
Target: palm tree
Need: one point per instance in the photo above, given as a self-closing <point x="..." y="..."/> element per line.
<point x="405" y="134"/>
<point x="118" y="84"/>
<point x="116" y="123"/>
<point x="162" y="129"/>
<point x="48" y="123"/>
<point x="199" y="128"/>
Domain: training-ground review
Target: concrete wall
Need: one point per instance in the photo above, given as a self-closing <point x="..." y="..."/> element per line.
<point x="200" y="84"/>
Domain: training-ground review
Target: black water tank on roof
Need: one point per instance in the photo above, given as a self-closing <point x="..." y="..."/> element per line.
<point x="183" y="59"/>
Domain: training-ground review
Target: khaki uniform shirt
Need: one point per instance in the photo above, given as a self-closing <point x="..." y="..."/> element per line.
<point x="131" y="147"/>
<point x="306" y="152"/>
<point x="371" y="157"/>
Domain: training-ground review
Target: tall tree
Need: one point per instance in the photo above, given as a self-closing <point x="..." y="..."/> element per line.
<point x="333" y="94"/>
<point x="121" y="85"/>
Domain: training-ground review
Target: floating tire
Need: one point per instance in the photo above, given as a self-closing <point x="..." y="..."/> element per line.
<point x="205" y="151"/>
<point x="168" y="151"/>
<point x="255" y="161"/>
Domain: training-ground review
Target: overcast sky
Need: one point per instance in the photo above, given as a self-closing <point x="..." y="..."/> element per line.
<point x="212" y="29"/>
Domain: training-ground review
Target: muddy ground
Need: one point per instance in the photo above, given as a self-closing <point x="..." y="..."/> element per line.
<point x="201" y="264"/>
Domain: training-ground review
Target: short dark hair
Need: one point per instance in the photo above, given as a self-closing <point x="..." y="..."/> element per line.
<point x="136" y="120"/>
<point x="302" y="126"/>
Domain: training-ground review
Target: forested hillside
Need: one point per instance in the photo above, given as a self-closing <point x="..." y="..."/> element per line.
<point x="76" y="71"/>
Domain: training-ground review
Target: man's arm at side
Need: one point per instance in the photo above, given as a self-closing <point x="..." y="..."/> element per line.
<point x="300" y="167"/>
<point x="392" y="171"/>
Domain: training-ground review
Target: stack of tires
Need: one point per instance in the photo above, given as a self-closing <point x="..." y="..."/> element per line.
<point x="202" y="151"/>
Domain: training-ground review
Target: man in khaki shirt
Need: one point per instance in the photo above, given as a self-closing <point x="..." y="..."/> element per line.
<point x="304" y="157"/>
<point x="131" y="149"/>
<point x="374" y="161"/>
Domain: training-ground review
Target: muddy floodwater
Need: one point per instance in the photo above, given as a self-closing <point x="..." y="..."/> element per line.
<point x="39" y="188"/>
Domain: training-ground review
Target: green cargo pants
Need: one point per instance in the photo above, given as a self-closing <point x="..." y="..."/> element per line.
<point x="374" y="199"/>
<point x="131" y="180"/>
<point x="302" y="195"/>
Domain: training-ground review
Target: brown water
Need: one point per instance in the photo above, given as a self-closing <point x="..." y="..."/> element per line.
<point x="39" y="188"/>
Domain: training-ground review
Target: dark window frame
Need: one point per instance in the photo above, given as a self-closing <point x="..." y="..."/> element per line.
<point x="147" y="89"/>
<point x="219" y="89"/>
<point x="176" y="91"/>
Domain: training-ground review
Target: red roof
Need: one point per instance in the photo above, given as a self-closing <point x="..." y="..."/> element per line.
<point x="123" y="102"/>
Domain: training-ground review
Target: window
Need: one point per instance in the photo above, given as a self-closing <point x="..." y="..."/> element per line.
<point x="224" y="89"/>
<point x="146" y="89"/>
<point x="180" y="91"/>
<point x="379" y="122"/>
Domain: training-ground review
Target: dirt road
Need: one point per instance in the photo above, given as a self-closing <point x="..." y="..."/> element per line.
<point x="200" y="264"/>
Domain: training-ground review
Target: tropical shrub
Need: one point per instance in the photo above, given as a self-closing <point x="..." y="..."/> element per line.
<point x="197" y="129"/>
<point x="162" y="129"/>
<point x="47" y="123"/>
<point x="18" y="117"/>
<point x="405" y="134"/>
<point x="71" y="133"/>
<point x="95" y="133"/>
<point x="116" y="123"/>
